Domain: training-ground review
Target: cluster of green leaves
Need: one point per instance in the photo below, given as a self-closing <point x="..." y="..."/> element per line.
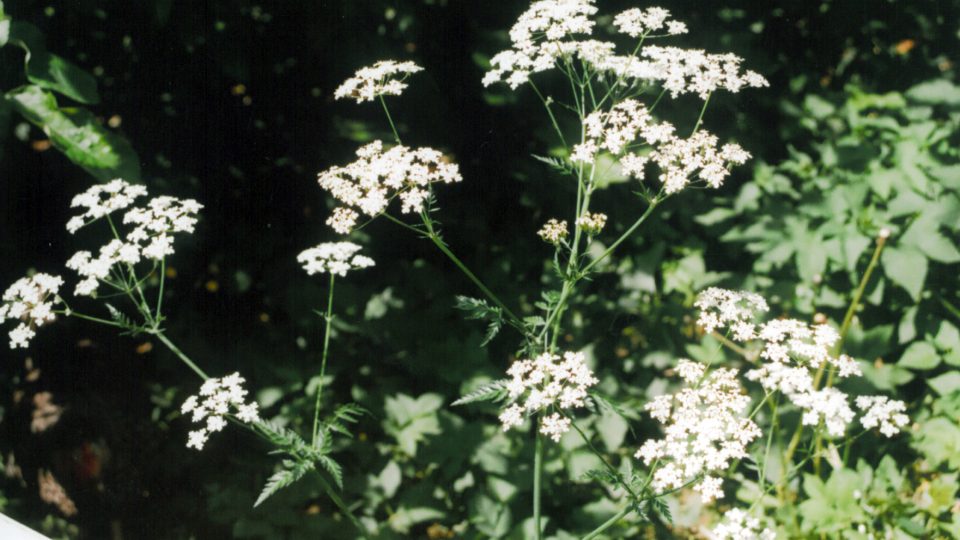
<point x="75" y="131"/>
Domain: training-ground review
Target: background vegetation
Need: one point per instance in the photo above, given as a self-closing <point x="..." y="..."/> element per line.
<point x="230" y="102"/>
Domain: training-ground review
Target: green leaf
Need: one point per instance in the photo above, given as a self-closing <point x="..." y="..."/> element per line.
<point x="492" y="391"/>
<point x="411" y="420"/>
<point x="612" y="429"/>
<point x="920" y="355"/>
<point x="945" y="384"/>
<point x="50" y="71"/>
<point x="77" y="134"/>
<point x="939" y="441"/>
<point x="935" y="92"/>
<point x="4" y="26"/>
<point x="404" y="518"/>
<point x="390" y="478"/>
<point x="283" y="478"/>
<point x="332" y="467"/>
<point x="477" y="309"/>
<point x="55" y="73"/>
<point x="925" y="236"/>
<point x="905" y="267"/>
<point x="947" y="338"/>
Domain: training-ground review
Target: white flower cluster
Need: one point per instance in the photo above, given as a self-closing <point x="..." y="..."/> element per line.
<point x="731" y="309"/>
<point x="103" y="199"/>
<point x="384" y="78"/>
<point x="149" y="238"/>
<point x="29" y="301"/>
<point x="883" y="412"/>
<point x="368" y="184"/>
<point x="537" y="39"/>
<point x="705" y="430"/>
<point x="693" y="71"/>
<point x="547" y="381"/>
<point x="541" y="39"/>
<point x="592" y="223"/>
<point x="553" y="231"/>
<point x="613" y="130"/>
<point x="794" y="351"/>
<point x="334" y="258"/>
<point x="739" y="525"/>
<point x="636" y="22"/>
<point x="219" y="397"/>
<point x="679" y="160"/>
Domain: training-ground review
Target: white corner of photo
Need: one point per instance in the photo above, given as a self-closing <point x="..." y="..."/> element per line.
<point x="13" y="530"/>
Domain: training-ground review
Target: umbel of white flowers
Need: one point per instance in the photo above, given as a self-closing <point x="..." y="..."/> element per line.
<point x="334" y="258"/>
<point x="547" y="382"/>
<point x="29" y="300"/>
<point x="218" y="398"/>
<point x="793" y="351"/>
<point x="369" y="184"/>
<point x="150" y="236"/>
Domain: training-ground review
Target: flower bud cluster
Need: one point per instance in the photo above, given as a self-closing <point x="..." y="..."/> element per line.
<point x="636" y="22"/>
<point x="553" y="231"/>
<point x="103" y="199"/>
<point x="739" y="525"/>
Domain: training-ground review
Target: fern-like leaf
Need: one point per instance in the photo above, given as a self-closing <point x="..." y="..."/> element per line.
<point x="332" y="467"/>
<point x="492" y="391"/>
<point x="477" y="309"/>
<point x="344" y="414"/>
<point x="562" y="166"/>
<point x="291" y="472"/>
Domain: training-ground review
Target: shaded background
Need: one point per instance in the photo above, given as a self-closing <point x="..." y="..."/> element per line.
<point x="231" y="103"/>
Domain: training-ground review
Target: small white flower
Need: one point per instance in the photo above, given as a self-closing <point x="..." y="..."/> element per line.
<point x="334" y="258"/>
<point x="705" y="430"/>
<point x="213" y="404"/>
<point x="554" y="426"/>
<point x="31" y="301"/>
<point x="384" y="78"/>
<point x="101" y="200"/>
<point x="368" y="184"/>
<point x="883" y="412"/>
<point x="738" y="525"/>
<point x="547" y="381"/>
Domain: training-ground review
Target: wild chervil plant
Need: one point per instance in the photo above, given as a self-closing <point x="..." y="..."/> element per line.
<point x="780" y="408"/>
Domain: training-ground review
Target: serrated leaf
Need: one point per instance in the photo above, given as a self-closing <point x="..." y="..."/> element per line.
<point x="76" y="133"/>
<point x="492" y="391"/>
<point x="560" y="165"/>
<point x="332" y="467"/>
<point x="283" y="478"/>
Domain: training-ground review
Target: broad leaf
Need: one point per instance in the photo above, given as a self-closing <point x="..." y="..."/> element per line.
<point x="906" y="267"/>
<point x="50" y="71"/>
<point x="76" y="133"/>
<point x="920" y="355"/>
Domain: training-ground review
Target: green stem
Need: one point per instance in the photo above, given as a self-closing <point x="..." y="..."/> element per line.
<point x="609" y="523"/>
<point x="608" y="465"/>
<point x="442" y="246"/>
<point x="341" y="505"/>
<point x="700" y="118"/>
<point x="176" y="350"/>
<point x="553" y="119"/>
<point x="323" y="363"/>
<point x="646" y="214"/>
<point x="163" y="277"/>
<point x="537" y="473"/>
<point x="393" y="127"/>
<point x="70" y="313"/>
